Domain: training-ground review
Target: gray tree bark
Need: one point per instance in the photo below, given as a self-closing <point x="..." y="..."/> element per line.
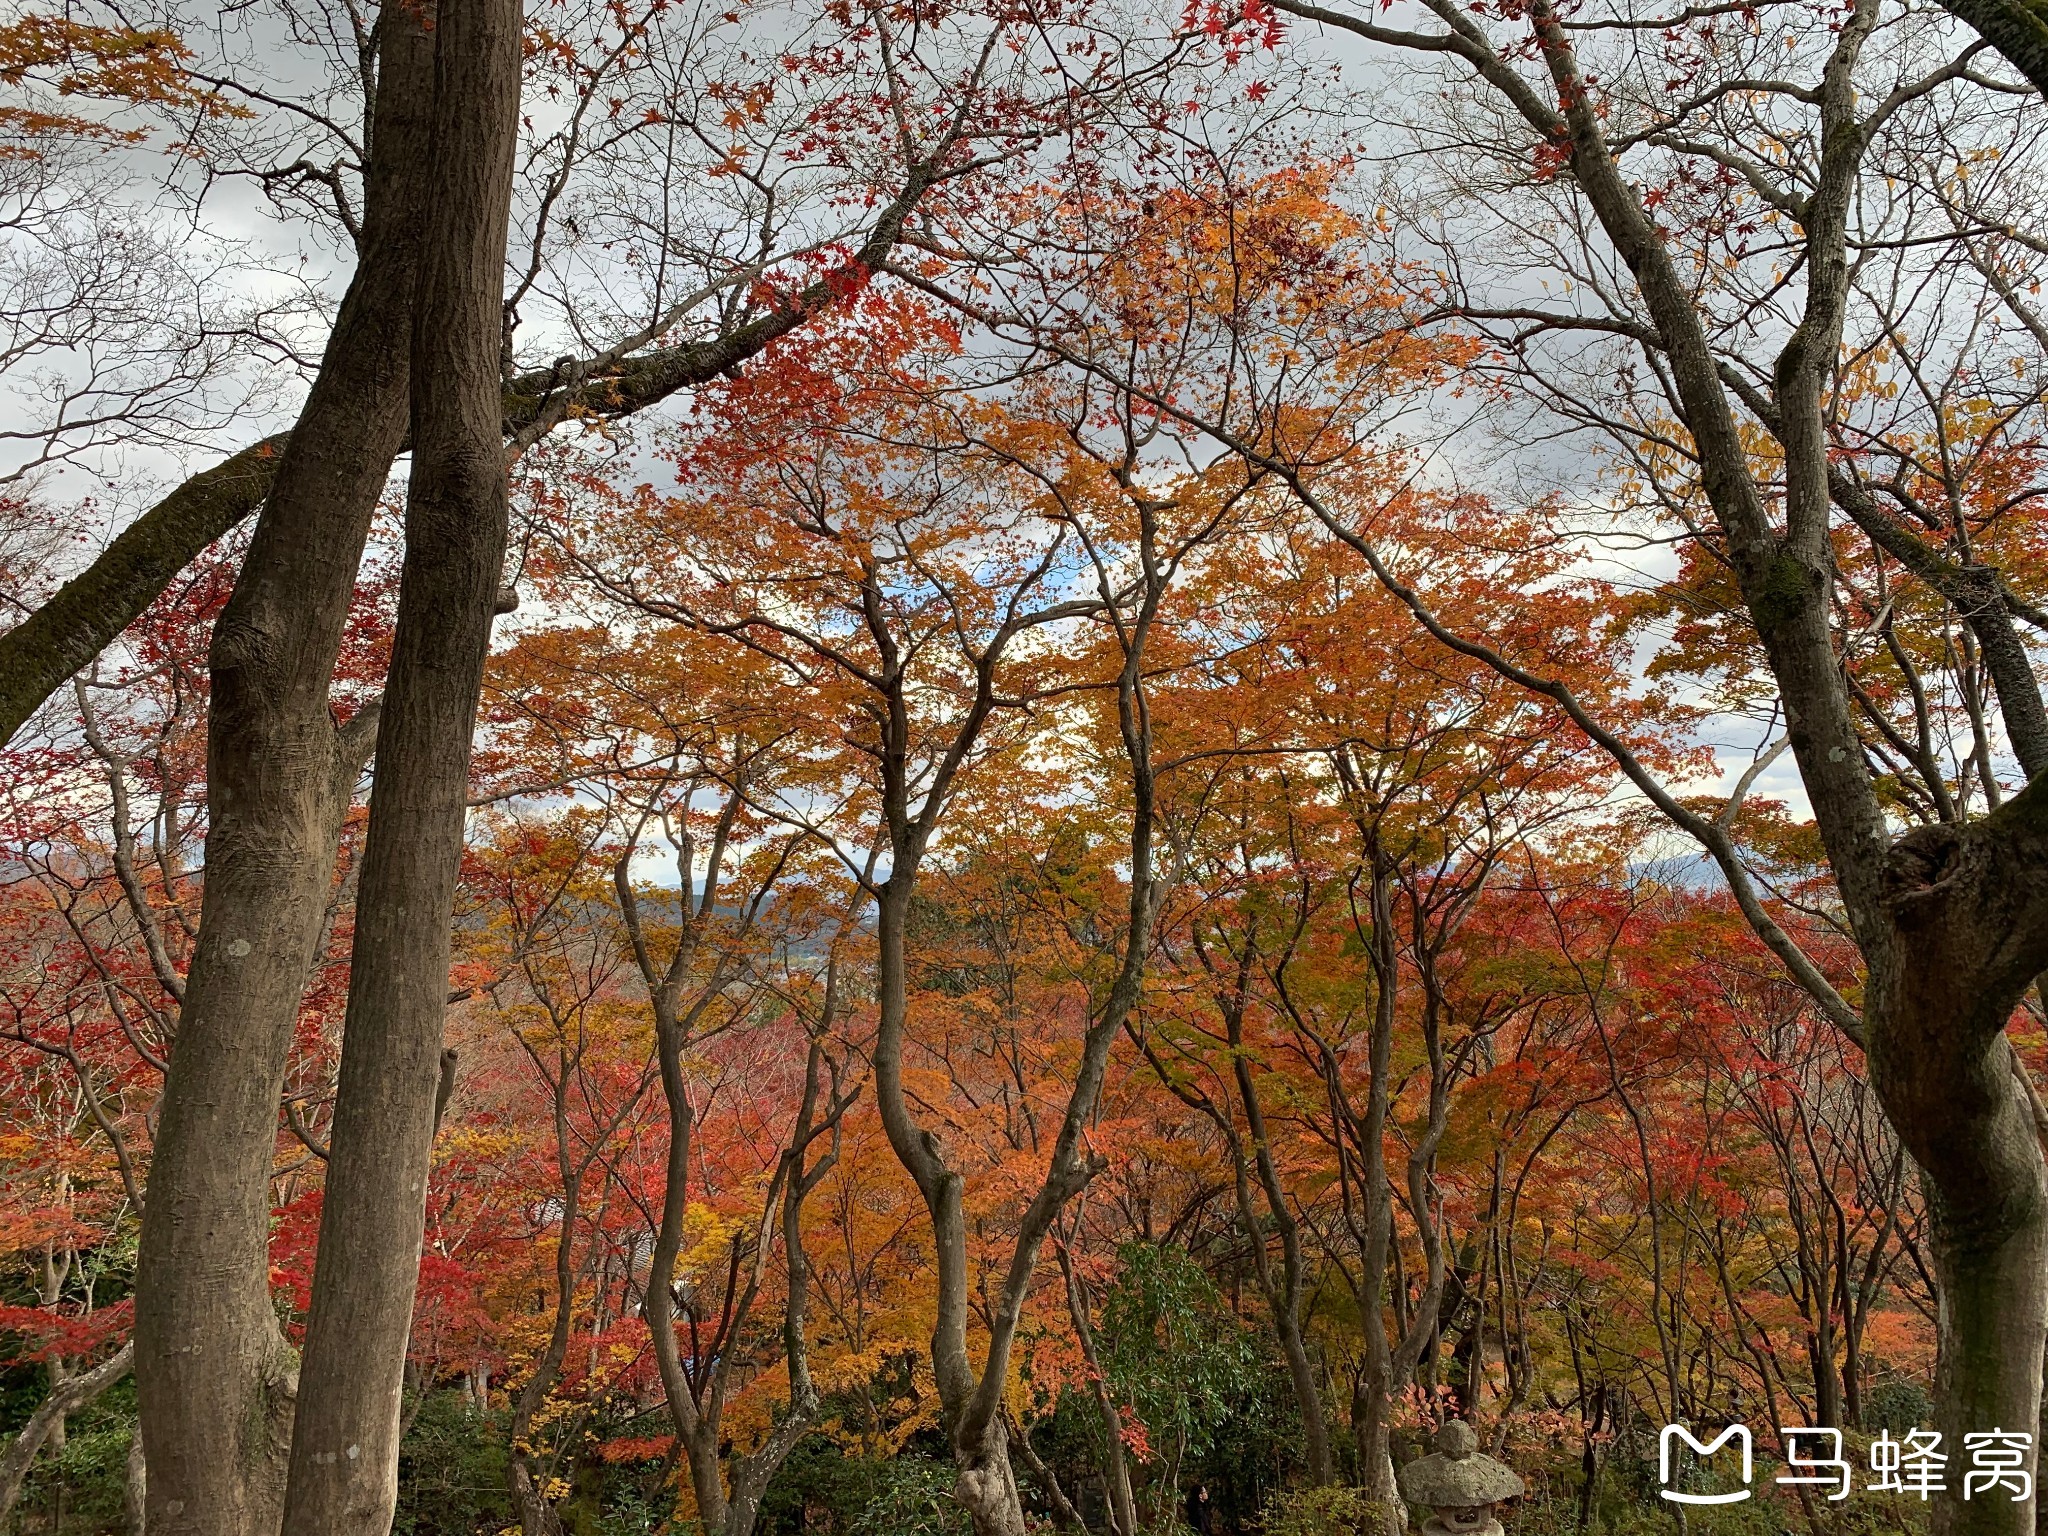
<point x="135" y="1485"/>
<point x="2016" y="28"/>
<point x="82" y="618"/>
<point x="216" y="1379"/>
<point x="344" y="1457"/>
<point x="214" y="1376"/>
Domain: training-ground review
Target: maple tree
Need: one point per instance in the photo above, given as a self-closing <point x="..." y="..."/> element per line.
<point x="1079" y="778"/>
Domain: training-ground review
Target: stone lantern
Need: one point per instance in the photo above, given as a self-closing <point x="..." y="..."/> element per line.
<point x="1459" y="1485"/>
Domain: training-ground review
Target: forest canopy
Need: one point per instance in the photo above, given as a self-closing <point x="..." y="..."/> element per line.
<point x="893" y="768"/>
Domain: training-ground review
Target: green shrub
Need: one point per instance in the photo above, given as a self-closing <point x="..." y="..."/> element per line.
<point x="87" y="1480"/>
<point x="1335" y="1511"/>
<point x="915" y="1498"/>
<point x="1176" y="1355"/>
<point x="451" y="1471"/>
<point x="1898" y="1405"/>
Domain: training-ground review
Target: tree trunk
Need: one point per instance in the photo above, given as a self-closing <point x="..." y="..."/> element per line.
<point x="1827" y="1380"/>
<point x="1993" y="1326"/>
<point x="971" y="1399"/>
<point x="1952" y="920"/>
<point x="1369" y="1429"/>
<point x="1308" y="1396"/>
<point x="1284" y="1293"/>
<point x="536" y="1511"/>
<point x="58" y="1377"/>
<point x="1950" y="1093"/>
<point x="2016" y="28"/>
<point x="214" y="1377"/>
<point x="135" y="1486"/>
<point x="537" y="1516"/>
<point x="2041" y="1440"/>
<point x="987" y="1485"/>
<point x="344" y="1465"/>
<point x="697" y="1421"/>
<point x="1123" y="1506"/>
<point x="90" y="610"/>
